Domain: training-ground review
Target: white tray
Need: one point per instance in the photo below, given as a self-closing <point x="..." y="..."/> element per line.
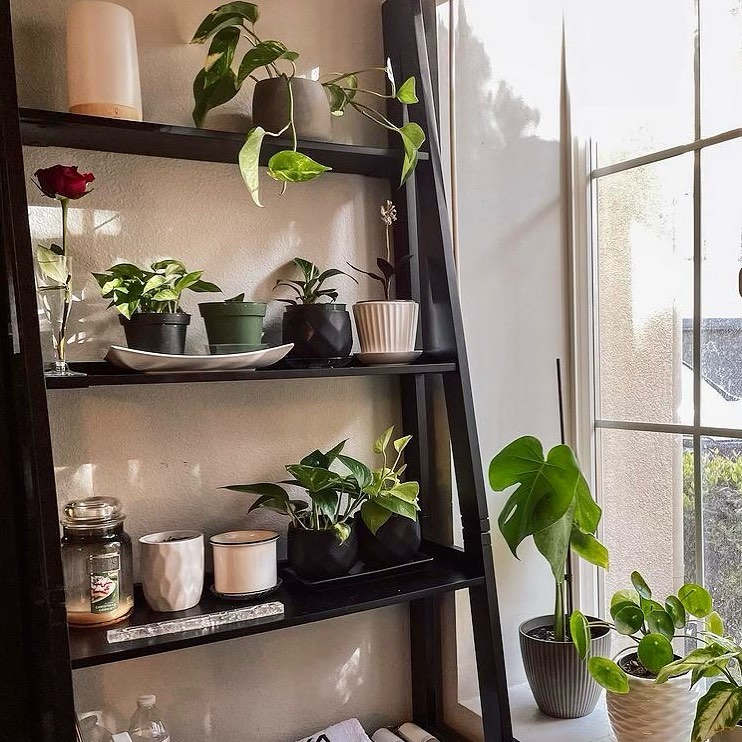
<point x="142" y="360"/>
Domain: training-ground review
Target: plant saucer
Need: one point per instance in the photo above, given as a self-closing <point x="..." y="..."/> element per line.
<point x="398" y="358"/>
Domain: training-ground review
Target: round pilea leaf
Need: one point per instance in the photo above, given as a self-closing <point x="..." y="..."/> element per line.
<point x="580" y="631"/>
<point x="675" y="608"/>
<point x="660" y="622"/>
<point x="640" y="585"/>
<point x="655" y="651"/>
<point x="625" y="596"/>
<point x="715" y="624"/>
<point x="650" y="605"/>
<point x="627" y="617"/>
<point x="695" y="599"/>
<point x="608" y="674"/>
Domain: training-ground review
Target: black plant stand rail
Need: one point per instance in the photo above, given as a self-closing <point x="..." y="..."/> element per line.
<point x="36" y="654"/>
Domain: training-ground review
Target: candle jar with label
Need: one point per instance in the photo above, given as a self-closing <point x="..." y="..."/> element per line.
<point x="97" y="562"/>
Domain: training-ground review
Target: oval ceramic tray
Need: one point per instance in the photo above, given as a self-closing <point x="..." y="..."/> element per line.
<point x="142" y="360"/>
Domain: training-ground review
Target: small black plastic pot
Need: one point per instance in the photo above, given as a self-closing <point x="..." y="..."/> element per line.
<point x="396" y="542"/>
<point x="318" y="555"/>
<point x="318" y="331"/>
<point x="157" y="333"/>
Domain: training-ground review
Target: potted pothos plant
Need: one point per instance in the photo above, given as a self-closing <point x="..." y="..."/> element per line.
<point x="386" y="326"/>
<point x="649" y="697"/>
<point x="552" y="505"/>
<point x="323" y="528"/>
<point x="285" y="105"/>
<point x="314" y="322"/>
<point x="390" y="529"/>
<point x="233" y="325"/>
<point x="148" y="302"/>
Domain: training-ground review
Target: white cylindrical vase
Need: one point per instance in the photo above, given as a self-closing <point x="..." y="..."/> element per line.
<point x="386" y="326"/>
<point x="172" y="567"/>
<point x="245" y="562"/>
<point x="102" y="61"/>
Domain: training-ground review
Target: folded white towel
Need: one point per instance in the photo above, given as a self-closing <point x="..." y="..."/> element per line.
<point x="346" y="731"/>
<point x="412" y="733"/>
<point x="384" y="735"/>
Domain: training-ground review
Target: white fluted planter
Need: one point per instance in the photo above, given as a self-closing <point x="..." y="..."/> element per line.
<point x="655" y="713"/>
<point x="386" y="326"/>
<point x="102" y="61"/>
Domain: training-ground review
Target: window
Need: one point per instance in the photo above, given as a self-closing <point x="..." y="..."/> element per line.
<point x="665" y="182"/>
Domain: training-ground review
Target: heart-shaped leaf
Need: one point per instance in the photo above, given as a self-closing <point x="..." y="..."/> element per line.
<point x="261" y="55"/>
<point x="206" y="98"/>
<point x="342" y="531"/>
<point x="294" y="167"/>
<point x="221" y="54"/>
<point x="382" y="442"/>
<point x="406" y="93"/>
<point x="374" y="516"/>
<point x="52" y="265"/>
<point x="229" y="14"/>
<point x="249" y="160"/>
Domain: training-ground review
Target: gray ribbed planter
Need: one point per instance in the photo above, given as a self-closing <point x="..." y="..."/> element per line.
<point x="559" y="679"/>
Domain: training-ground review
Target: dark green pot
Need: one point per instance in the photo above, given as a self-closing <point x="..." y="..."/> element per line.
<point x="237" y="324"/>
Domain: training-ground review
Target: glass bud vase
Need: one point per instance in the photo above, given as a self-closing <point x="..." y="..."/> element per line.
<point x="56" y="302"/>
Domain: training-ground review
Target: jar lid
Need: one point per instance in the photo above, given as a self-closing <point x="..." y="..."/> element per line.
<point x="93" y="512"/>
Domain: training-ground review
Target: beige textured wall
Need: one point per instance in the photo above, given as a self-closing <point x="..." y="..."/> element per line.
<point x="165" y="450"/>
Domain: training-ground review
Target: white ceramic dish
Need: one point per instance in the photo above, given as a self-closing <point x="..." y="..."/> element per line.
<point x="142" y="360"/>
<point x="399" y="358"/>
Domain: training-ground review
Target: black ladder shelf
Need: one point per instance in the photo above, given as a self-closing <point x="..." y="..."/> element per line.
<point x="39" y="653"/>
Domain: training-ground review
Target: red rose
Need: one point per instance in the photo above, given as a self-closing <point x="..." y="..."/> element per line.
<point x="63" y="181"/>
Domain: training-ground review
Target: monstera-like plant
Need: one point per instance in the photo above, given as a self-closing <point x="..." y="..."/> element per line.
<point x="551" y="504"/>
<point x="221" y="79"/>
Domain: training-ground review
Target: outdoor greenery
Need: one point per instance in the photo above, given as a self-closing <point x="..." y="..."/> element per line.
<point x="650" y="624"/>
<point x="310" y="290"/>
<point x="552" y="503"/>
<point x="335" y="498"/>
<point x="217" y="82"/>
<point x="722" y="523"/>
<point x="158" y="290"/>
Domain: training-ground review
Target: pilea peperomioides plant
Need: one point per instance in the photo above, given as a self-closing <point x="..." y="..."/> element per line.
<point x="217" y="83"/>
<point x="651" y="626"/>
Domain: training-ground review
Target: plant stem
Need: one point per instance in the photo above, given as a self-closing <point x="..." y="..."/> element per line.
<point x="65" y="207"/>
<point x="374" y="115"/>
<point x="560" y="633"/>
<point x="367" y="92"/>
<point x="351" y="74"/>
<point x="291" y="114"/>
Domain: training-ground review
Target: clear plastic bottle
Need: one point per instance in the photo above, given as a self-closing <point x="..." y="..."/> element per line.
<point x="146" y="725"/>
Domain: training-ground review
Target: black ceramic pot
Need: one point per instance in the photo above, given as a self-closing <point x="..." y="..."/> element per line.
<point x="157" y="333"/>
<point x="396" y="542"/>
<point x="318" y="331"/>
<point x="318" y="555"/>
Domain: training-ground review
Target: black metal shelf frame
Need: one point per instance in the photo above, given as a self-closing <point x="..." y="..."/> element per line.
<point x="37" y="656"/>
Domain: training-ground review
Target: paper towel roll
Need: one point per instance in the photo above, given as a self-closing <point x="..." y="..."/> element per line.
<point x="384" y="735"/>
<point x="102" y="61"/>
<point x="412" y="733"/>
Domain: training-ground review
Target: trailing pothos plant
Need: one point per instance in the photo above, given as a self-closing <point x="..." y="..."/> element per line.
<point x="158" y="290"/>
<point x="552" y="504"/>
<point x="334" y="497"/>
<point x="310" y="289"/>
<point x="217" y="82"/>
<point x="388" y="268"/>
<point x="651" y="626"/>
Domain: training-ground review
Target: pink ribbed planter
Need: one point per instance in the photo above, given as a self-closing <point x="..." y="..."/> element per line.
<point x="386" y="326"/>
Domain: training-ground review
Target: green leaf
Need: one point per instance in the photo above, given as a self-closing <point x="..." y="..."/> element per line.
<point x="587" y="512"/>
<point x="395" y="505"/>
<point x="374" y="516"/>
<point x="406" y="93"/>
<point x="153" y="283"/>
<point x="314" y="479"/>
<point x="186" y="281"/>
<point x="249" y="160"/>
<point x="126" y="270"/>
<point x="655" y="651"/>
<point x="413" y="137"/>
<point x="660" y="622"/>
<point x="342" y="531"/>
<point x="719" y="709"/>
<point x="229" y="14"/>
<point x="294" y="167"/>
<point x="627" y="617"/>
<point x="546" y="490"/>
<point x="715" y="624"/>
<point x="589" y="548"/>
<point x="640" y="585"/>
<point x="52" y="265"/>
<point x="553" y="543"/>
<point x="166" y="295"/>
<point x="205" y="287"/>
<point x="337" y="98"/>
<point x="382" y="442"/>
<point x="261" y="55"/>
<point x="326" y="501"/>
<point x="675" y="608"/>
<point x="650" y="605"/>
<point x="272" y="496"/>
<point x="579" y="630"/>
<point x="625" y="596"/>
<point x="700" y="659"/>
<point x="695" y="599"/>
<point x="221" y="54"/>
<point x="360" y="472"/>
<point x="208" y="97"/>
<point x="407" y="491"/>
<point x="401" y="443"/>
<point x="608" y="674"/>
